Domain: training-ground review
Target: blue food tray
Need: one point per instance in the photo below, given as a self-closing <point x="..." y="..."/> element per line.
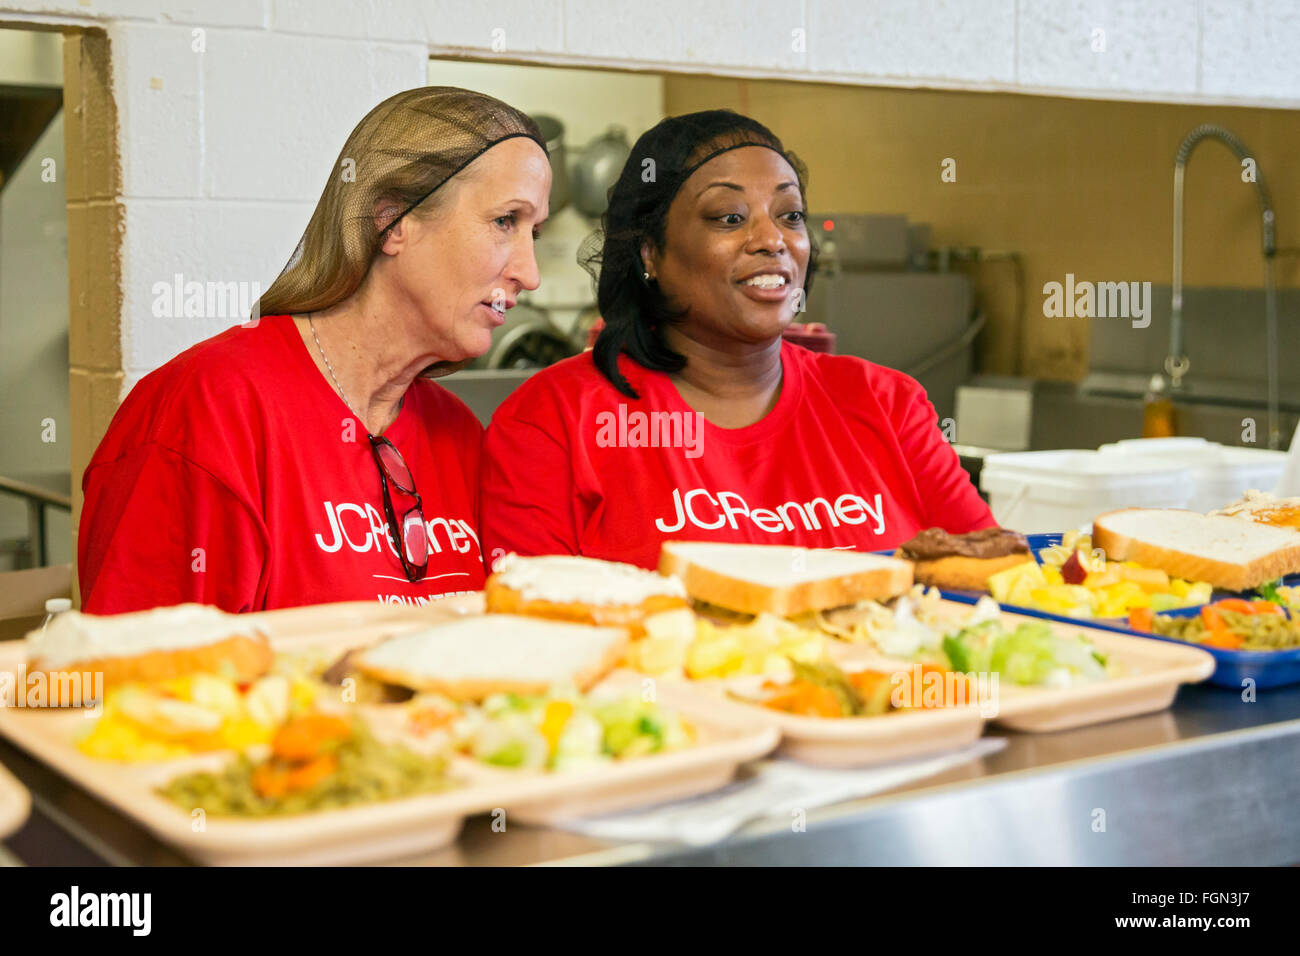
<point x="1265" y="668"/>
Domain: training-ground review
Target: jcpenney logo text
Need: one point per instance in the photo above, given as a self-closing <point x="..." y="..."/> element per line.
<point x="366" y="529"/>
<point x="704" y="510"/>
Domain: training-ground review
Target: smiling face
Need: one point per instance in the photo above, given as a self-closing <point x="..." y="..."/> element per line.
<point x="456" y="271"/>
<point x="735" y="249"/>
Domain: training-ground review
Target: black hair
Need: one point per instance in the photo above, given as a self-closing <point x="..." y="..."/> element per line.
<point x="663" y="158"/>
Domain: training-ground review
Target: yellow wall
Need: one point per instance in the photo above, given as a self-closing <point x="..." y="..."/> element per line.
<point x="1077" y="186"/>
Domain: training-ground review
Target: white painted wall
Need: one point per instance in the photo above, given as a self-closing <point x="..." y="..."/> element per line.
<point x="224" y="151"/>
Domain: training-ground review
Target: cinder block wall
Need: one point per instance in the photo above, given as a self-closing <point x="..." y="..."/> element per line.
<point x="200" y="133"/>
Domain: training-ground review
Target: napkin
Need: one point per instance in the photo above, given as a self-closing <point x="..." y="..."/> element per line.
<point x="775" y="788"/>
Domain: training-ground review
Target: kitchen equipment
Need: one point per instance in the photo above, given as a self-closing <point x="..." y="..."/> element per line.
<point x="995" y="412"/>
<point x="922" y="323"/>
<point x="597" y="169"/>
<point x="858" y="241"/>
<point x="1177" y="363"/>
<point x="527" y="340"/>
<point x="553" y="132"/>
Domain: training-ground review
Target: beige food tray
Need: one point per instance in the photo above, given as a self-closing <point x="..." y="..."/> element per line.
<point x="15" y="803"/>
<point x="382" y="830"/>
<point x="842" y="741"/>
<point x="726" y="740"/>
<point x="1150" y="675"/>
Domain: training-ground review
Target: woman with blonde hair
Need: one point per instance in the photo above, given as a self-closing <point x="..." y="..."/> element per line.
<point x="304" y="456"/>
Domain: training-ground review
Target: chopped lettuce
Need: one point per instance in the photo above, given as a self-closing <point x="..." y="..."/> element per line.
<point x="1031" y="654"/>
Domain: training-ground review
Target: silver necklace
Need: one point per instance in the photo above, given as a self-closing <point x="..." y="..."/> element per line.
<point x="330" y="368"/>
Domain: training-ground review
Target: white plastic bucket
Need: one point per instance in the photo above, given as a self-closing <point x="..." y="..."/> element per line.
<point x="1059" y="490"/>
<point x="1221" y="473"/>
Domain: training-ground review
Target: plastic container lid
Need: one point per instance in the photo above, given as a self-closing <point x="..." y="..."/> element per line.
<point x="1210" y="461"/>
<point x="1069" y="476"/>
<point x="1160" y="445"/>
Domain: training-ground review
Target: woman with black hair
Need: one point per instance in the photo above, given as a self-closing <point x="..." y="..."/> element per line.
<point x="692" y="418"/>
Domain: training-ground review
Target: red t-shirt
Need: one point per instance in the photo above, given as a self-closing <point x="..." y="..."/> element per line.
<point x="850" y="457"/>
<point x="235" y="476"/>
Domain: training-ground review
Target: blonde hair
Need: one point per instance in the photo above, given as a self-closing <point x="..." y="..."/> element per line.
<point x="401" y="153"/>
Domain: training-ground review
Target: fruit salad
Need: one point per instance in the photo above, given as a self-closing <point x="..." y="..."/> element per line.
<point x="1075" y="580"/>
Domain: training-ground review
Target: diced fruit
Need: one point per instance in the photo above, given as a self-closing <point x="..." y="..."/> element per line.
<point x="1014" y="584"/>
<point x="1151" y="580"/>
<point x="1104" y="579"/>
<point x="1073" y="571"/>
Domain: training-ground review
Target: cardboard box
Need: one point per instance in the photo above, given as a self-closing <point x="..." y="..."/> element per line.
<point x="23" y="595"/>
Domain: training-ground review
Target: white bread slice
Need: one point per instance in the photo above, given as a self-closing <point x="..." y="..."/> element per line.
<point x="474" y="657"/>
<point x="1229" y="553"/>
<point x="782" y="580"/>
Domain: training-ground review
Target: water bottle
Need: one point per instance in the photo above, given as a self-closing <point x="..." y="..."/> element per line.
<point x="53" y="608"/>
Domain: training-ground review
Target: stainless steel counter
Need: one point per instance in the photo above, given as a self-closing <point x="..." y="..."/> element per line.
<point x="1214" y="780"/>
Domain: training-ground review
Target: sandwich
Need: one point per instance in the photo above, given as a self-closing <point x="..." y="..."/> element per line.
<point x="583" y="590"/>
<point x="147" y="647"/>
<point x="780" y="580"/>
<point x="476" y="657"/>
<point x="964" y="561"/>
<point x="760" y="609"/>
<point x="1229" y="553"/>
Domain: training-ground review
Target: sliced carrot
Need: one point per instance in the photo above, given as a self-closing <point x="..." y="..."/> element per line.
<point x="270" y="780"/>
<point x="1141" y="619"/>
<point x="310" y="774"/>
<point x="864" y="682"/>
<point x="1222" y="638"/>
<point x="1235" y="604"/>
<point x="806" y="699"/>
<point x="1265" y="607"/>
<point x="823" y="703"/>
<point x="305" y="737"/>
<point x="1212" y="618"/>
